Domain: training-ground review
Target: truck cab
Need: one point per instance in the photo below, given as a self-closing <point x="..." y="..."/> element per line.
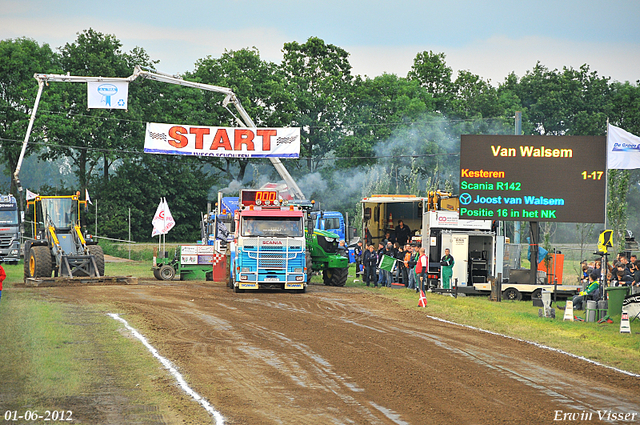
<point x="269" y="246"/>
<point x="9" y="230"/>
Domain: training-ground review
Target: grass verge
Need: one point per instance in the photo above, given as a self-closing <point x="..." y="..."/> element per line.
<point x="58" y="356"/>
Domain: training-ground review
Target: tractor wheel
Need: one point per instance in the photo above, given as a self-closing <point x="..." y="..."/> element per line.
<point x="39" y="262"/>
<point x="98" y="254"/>
<point x="327" y="276"/>
<point x="340" y="276"/>
<point x="156" y="274"/>
<point x="167" y="272"/>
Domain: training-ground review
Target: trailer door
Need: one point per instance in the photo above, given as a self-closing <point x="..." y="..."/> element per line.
<point x="458" y="244"/>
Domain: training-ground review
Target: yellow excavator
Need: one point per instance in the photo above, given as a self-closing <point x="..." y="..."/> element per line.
<point x="58" y="243"/>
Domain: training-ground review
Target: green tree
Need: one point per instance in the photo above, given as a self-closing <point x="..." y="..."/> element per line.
<point x="19" y="60"/>
<point x="571" y="102"/>
<point x="318" y="75"/>
<point x="139" y="183"/>
<point x="431" y="71"/>
<point x="91" y="139"/>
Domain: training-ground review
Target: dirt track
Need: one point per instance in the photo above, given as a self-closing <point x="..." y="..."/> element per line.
<point x="345" y="356"/>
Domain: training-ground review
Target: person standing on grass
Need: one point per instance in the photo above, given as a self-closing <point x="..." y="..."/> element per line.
<point x="422" y="268"/>
<point x="3" y="276"/>
<point x="446" y="265"/>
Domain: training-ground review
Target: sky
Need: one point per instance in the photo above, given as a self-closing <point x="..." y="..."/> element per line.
<point x="491" y="38"/>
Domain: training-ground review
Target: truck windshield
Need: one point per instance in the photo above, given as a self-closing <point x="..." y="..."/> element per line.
<point x="9" y="217"/>
<point x="62" y="212"/>
<point x="272" y="226"/>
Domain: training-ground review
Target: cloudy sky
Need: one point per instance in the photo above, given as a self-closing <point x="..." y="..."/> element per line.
<point x="490" y="38"/>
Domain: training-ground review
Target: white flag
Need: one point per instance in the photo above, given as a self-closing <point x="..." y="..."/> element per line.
<point x="158" y="220"/>
<point x="86" y="192"/>
<point x="623" y="149"/>
<point x="31" y="196"/>
<point x="102" y="95"/>
<point x="162" y="220"/>
<point x="169" y="222"/>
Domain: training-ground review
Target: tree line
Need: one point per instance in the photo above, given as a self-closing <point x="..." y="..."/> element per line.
<point x="360" y="135"/>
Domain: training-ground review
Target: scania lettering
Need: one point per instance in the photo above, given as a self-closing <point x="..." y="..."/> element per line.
<point x="9" y="230"/>
<point x="269" y="247"/>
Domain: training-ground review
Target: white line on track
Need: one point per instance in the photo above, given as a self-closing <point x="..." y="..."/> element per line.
<point x="556" y="350"/>
<point x="173" y="370"/>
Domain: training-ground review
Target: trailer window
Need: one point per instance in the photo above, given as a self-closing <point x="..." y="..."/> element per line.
<point x="272" y="226"/>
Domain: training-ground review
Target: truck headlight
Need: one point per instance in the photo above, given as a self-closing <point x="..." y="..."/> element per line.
<point x="14" y="252"/>
<point x="244" y="277"/>
<point x="299" y="278"/>
<point x="246" y="270"/>
<point x="297" y="270"/>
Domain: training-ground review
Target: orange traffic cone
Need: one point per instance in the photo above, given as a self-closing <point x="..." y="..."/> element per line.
<point x="423" y="299"/>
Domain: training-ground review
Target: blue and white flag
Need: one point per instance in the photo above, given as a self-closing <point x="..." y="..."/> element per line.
<point x="623" y="149"/>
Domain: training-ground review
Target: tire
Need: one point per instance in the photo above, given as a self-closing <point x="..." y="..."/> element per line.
<point x="512" y="294"/>
<point x="39" y="262"/>
<point x="167" y="272"/>
<point x="98" y="254"/>
<point x="537" y="294"/>
<point x="336" y="277"/>
<point x="156" y="274"/>
<point x="327" y="276"/>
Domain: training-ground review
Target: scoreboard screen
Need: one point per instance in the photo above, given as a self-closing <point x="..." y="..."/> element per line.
<point x="533" y="178"/>
<point x="258" y="197"/>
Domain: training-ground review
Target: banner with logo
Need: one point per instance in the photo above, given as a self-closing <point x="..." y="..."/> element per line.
<point x="226" y="142"/>
<point x="112" y="95"/>
<point x="623" y="149"/>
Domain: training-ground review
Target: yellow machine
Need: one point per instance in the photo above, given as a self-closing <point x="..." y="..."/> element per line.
<point x="58" y="244"/>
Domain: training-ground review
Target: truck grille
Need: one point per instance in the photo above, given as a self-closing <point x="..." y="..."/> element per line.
<point x="274" y="260"/>
<point x="5" y="241"/>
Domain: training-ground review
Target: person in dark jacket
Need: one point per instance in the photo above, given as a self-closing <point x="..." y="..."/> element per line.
<point x="358" y="251"/>
<point x="403" y="233"/>
<point x="370" y="262"/>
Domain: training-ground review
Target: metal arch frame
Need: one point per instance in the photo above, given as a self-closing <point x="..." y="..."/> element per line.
<point x="156" y="76"/>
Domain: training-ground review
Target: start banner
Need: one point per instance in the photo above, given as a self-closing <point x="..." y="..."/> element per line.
<point x="227" y="142"/>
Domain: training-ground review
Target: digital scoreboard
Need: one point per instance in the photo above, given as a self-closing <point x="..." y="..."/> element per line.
<point x="533" y="178"/>
<point x="258" y="197"/>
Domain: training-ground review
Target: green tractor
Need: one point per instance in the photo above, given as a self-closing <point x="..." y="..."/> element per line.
<point x="323" y="254"/>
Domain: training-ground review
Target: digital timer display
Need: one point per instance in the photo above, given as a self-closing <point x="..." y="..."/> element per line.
<point x="258" y="197"/>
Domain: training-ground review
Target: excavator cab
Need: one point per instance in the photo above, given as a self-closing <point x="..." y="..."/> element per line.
<point x="58" y="244"/>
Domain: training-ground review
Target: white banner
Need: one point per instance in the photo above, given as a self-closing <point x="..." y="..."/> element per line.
<point x="227" y="142"/>
<point x="111" y="95"/>
<point x="623" y="149"/>
<point x="162" y="220"/>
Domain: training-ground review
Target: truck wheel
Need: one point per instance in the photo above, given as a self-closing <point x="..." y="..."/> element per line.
<point x="98" y="254"/>
<point x="39" y="262"/>
<point x="537" y="294"/>
<point x="167" y="272"/>
<point x="512" y="294"/>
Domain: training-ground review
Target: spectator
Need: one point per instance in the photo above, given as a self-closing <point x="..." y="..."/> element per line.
<point x="624" y="277"/>
<point x="358" y="251"/>
<point x="389" y="251"/>
<point x="402" y="272"/>
<point x="413" y="279"/>
<point x="370" y="261"/>
<point x="403" y="233"/>
<point x="591" y="292"/>
<point x="3" y="276"/>
<point x="422" y="267"/>
<point x="446" y="267"/>
<point x="382" y="279"/>
<point x="405" y="262"/>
